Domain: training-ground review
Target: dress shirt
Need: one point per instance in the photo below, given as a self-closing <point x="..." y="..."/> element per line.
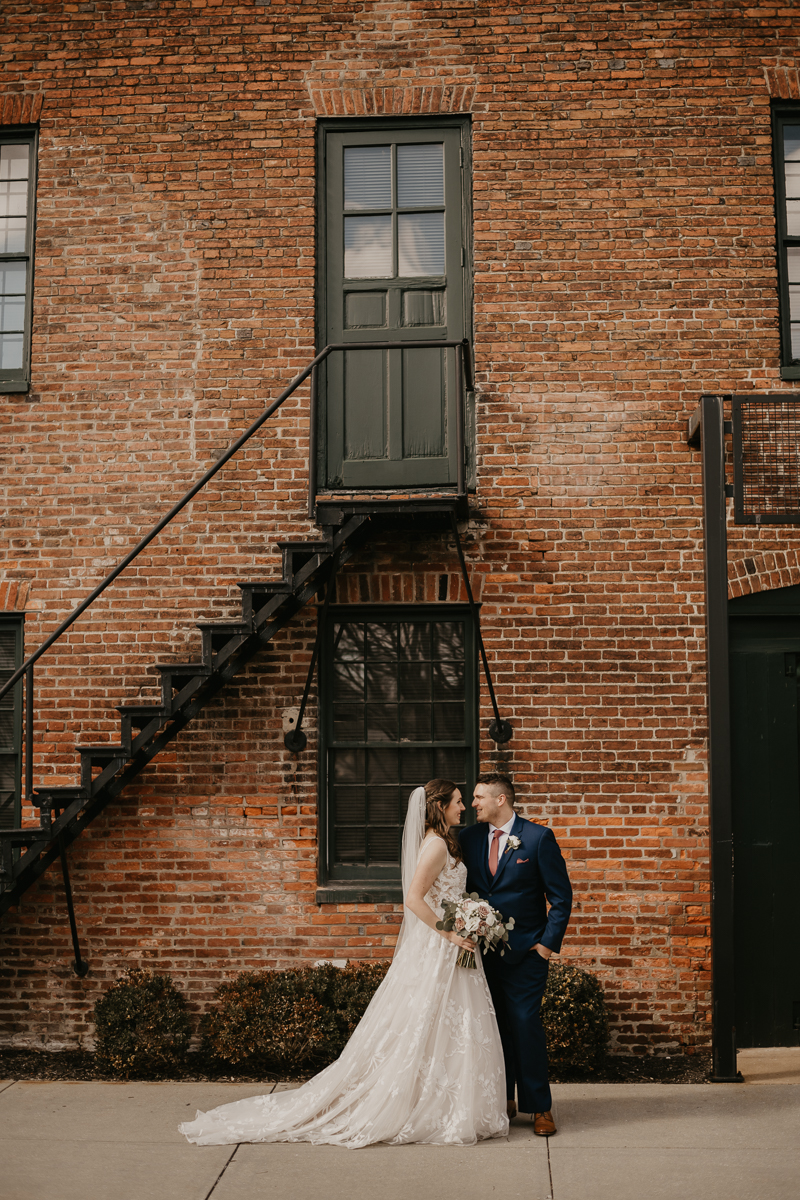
<point x="501" y="841"/>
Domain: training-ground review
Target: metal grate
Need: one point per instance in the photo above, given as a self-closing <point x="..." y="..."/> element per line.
<point x="766" y="460"/>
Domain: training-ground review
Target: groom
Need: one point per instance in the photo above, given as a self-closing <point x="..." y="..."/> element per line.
<point x="517" y="867"/>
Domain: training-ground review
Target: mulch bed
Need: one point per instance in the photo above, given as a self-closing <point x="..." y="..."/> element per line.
<point x="79" y="1065"/>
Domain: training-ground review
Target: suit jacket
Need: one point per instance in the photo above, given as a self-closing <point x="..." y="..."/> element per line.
<point x="527" y="879"/>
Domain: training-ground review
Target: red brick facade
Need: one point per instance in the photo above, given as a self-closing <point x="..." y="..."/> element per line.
<point x="624" y="263"/>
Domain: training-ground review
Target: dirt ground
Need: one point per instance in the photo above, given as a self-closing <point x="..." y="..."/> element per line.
<point x="80" y="1065"/>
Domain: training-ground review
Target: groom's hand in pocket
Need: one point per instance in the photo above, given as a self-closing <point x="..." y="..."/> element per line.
<point x="543" y="951"/>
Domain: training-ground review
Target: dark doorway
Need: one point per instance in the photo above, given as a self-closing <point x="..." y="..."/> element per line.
<point x="765" y="675"/>
<point x="394" y="268"/>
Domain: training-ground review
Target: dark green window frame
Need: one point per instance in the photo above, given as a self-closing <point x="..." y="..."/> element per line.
<point x="787" y="194"/>
<point x="18" y="378"/>
<point x="363" y="881"/>
<point x="11" y="651"/>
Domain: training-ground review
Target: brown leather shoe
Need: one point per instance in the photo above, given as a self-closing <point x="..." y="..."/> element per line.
<point x="511" y="1109"/>
<point x="543" y="1124"/>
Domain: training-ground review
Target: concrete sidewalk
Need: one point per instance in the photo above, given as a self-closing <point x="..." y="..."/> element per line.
<point x="119" y="1141"/>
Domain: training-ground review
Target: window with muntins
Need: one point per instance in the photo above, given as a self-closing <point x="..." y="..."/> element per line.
<point x="786" y="153"/>
<point x="17" y="198"/>
<point x="398" y="700"/>
<point x="10" y="723"/>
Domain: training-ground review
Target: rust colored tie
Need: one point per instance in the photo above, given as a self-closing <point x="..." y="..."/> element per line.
<point x="498" y="833"/>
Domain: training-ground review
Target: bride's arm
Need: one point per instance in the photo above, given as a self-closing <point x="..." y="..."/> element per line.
<point x="432" y="861"/>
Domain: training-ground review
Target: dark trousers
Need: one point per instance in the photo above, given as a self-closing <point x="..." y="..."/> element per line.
<point x="517" y="991"/>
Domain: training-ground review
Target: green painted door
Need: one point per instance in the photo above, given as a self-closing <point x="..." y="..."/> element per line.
<point x="765" y="662"/>
<point x="394" y="271"/>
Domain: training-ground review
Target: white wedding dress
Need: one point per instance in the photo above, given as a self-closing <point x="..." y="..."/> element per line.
<point x="425" y="1063"/>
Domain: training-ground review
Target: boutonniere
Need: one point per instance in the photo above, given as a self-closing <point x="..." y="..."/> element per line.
<point x="513" y="843"/>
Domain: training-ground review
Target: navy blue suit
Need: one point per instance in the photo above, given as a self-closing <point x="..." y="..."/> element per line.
<point x="527" y="879"/>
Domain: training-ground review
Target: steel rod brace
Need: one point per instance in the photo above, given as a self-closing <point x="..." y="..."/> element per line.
<point x="295" y="740"/>
<point x="80" y="966"/>
<point x="500" y="731"/>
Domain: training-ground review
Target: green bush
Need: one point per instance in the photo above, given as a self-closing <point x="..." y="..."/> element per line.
<point x="141" y="1025"/>
<point x="289" y="1021"/>
<point x="575" y="1017"/>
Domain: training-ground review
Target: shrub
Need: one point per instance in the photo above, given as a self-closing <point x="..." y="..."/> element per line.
<point x="575" y="1017"/>
<point x="289" y="1021"/>
<point x="141" y="1025"/>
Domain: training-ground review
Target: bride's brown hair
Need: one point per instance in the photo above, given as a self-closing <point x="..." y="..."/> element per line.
<point x="438" y="794"/>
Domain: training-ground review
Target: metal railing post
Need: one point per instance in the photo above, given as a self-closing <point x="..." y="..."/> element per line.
<point x="462" y="404"/>
<point x="715" y="554"/>
<point x="29" y="735"/>
<point x="312" y="445"/>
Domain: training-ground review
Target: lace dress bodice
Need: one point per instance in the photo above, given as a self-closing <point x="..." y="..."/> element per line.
<point x="448" y="885"/>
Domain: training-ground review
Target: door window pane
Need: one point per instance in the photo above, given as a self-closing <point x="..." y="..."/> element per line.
<point x="420" y="243"/>
<point x="368" y="247"/>
<point x="367" y="177"/>
<point x="420" y="176"/>
<point x="424" y="308"/>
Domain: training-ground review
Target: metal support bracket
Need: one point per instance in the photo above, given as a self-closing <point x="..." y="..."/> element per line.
<point x="500" y="731"/>
<point x="80" y="966"/>
<point x="295" y="740"/>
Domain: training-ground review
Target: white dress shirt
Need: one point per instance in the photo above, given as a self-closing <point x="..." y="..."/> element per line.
<point x="501" y="841"/>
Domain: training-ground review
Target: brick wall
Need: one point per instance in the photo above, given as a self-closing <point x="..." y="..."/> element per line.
<point x="624" y="263"/>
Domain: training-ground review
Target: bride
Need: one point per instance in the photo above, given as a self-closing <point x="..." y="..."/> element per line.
<point x="425" y="1062"/>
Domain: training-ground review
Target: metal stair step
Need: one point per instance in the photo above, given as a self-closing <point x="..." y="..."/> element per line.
<point x="221" y="639"/>
<point x="141" y="714"/>
<point x="102" y="755"/>
<point x="56" y="799"/>
<point x="141" y="717"/>
<point x="220" y="632"/>
<point x="256" y="593"/>
<point x="184" y="670"/>
<point x="297" y="553"/>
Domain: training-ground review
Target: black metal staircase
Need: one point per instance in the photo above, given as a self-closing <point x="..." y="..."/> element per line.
<point x="186" y="688"/>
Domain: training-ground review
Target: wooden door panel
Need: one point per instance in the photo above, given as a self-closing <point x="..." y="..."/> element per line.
<point x="365" y="405"/>
<point x="424" y="403"/>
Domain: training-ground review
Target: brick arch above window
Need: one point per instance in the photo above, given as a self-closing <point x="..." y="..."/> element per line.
<point x="783" y="83"/>
<point x="20" y="108"/>
<point x="762" y="572"/>
<point x="384" y="98"/>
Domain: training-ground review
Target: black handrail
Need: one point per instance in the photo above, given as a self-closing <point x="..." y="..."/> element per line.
<point x="221" y="461"/>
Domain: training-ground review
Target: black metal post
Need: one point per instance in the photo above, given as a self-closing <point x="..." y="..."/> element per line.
<point x="81" y="968"/>
<point x="29" y="735"/>
<point x="715" y="553"/>
<point x="295" y="740"/>
<point x="312" y="446"/>
<point x="499" y="731"/>
<point x="461" y="401"/>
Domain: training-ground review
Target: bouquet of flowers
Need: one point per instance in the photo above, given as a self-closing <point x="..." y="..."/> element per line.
<point x="477" y="921"/>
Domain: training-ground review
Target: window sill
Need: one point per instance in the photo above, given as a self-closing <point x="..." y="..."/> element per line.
<point x="790" y="372"/>
<point x="14" y="385"/>
<point x="360" y="893"/>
